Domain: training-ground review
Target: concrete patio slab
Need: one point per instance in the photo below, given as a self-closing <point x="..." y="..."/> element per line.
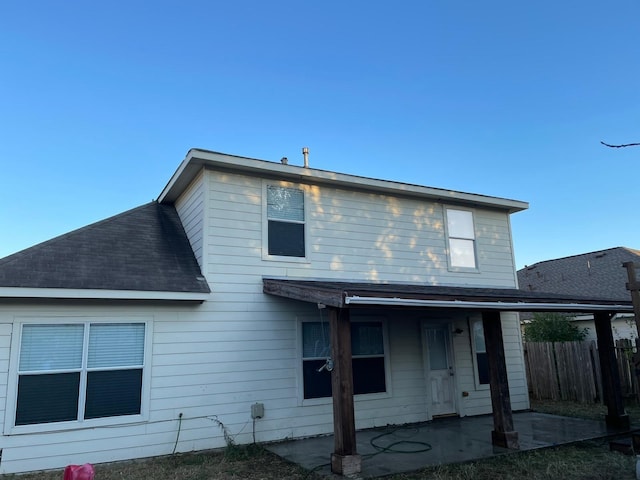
<point x="396" y="449"/>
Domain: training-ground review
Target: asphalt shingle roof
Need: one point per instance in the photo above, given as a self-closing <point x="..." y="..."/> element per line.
<point x="595" y="274"/>
<point x="143" y="249"/>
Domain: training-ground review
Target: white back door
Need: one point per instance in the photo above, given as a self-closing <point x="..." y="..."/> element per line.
<point x="440" y="371"/>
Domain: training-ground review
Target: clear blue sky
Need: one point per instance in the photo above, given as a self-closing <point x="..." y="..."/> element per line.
<point x="100" y="101"/>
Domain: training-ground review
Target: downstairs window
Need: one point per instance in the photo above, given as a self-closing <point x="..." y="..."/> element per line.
<point x="480" y="353"/>
<point x="367" y="358"/>
<point x="79" y="371"/>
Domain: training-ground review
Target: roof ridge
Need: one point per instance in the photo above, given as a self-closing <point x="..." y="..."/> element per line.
<point x="637" y="252"/>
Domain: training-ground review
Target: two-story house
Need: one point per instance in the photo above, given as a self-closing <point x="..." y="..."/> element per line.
<point x="263" y="301"/>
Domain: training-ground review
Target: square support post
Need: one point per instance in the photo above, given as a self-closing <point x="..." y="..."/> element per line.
<point x="345" y="459"/>
<point x="612" y="393"/>
<point x="503" y="434"/>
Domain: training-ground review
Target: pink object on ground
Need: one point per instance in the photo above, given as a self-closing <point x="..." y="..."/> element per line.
<point x="79" y="472"/>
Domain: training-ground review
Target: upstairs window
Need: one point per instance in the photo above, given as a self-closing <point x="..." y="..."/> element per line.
<point x="79" y="371"/>
<point x="285" y="217"/>
<point x="462" y="239"/>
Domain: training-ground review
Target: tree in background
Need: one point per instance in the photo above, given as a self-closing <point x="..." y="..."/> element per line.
<point x="553" y="327"/>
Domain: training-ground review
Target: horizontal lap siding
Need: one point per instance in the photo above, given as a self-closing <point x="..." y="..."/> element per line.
<point x="212" y="361"/>
<point x="5" y="349"/>
<point x="190" y="207"/>
<point x="173" y="390"/>
<point x="354" y="236"/>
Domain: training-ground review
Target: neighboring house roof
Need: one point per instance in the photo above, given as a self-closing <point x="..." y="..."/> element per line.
<point x="142" y="250"/>
<point x="598" y="274"/>
<point x="198" y="159"/>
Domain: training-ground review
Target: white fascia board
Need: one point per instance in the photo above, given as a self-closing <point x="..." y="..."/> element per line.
<point x="96" y="294"/>
<point x="503" y="306"/>
<point x="196" y="159"/>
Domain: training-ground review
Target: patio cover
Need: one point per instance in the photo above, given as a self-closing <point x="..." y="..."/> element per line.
<point x="340" y="297"/>
<point x="341" y="294"/>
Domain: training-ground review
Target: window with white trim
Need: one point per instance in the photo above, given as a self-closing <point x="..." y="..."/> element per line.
<point x="367" y="358"/>
<point x="461" y="238"/>
<point x="480" y="352"/>
<point x="285" y="218"/>
<point x="79" y="371"/>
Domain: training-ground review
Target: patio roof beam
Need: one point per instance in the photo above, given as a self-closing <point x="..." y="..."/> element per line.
<point x="486" y="305"/>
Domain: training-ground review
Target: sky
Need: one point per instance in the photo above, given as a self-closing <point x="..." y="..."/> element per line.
<point x="100" y="102"/>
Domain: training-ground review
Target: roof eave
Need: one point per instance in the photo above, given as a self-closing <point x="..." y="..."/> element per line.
<point x="196" y="159"/>
<point x="98" y="294"/>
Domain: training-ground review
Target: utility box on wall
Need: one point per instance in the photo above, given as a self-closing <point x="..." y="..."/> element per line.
<point x="257" y="410"/>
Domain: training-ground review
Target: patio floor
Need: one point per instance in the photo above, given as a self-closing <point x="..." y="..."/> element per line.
<point x="397" y="449"/>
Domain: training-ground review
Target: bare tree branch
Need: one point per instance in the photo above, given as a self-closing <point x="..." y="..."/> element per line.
<point x="621" y="146"/>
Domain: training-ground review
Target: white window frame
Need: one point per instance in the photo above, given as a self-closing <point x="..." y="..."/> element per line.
<point x="354" y="318"/>
<point x="265" y="223"/>
<point x="12" y="389"/>
<point x="474" y="352"/>
<point x="449" y="237"/>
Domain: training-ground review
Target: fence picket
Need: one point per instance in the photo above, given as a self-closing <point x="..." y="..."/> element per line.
<point x="571" y="370"/>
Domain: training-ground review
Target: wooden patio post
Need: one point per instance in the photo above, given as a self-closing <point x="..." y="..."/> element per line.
<point x="503" y="434"/>
<point x="345" y="459"/>
<point x="612" y="393"/>
<point x="633" y="285"/>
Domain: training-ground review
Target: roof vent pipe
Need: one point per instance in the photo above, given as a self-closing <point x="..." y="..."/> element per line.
<point x="305" y="154"/>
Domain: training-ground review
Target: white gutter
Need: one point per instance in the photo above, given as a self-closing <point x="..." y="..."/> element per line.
<point x="518" y="306"/>
<point x="97" y="294"/>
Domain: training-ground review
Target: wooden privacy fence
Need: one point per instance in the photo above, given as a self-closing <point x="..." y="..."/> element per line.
<point x="571" y="370"/>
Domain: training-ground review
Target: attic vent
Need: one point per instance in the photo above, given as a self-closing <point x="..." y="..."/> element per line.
<point x="600" y="255"/>
<point x="533" y="267"/>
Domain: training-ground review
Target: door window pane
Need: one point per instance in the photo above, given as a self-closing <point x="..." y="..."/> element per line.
<point x="437" y="346"/>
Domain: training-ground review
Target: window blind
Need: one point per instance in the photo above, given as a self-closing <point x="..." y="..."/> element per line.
<point x="116" y="345"/>
<point x="51" y="347"/>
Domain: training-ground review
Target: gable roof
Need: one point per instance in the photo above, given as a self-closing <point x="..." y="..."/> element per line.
<point x="197" y="159"/>
<point x="598" y="274"/>
<point x="143" y="250"/>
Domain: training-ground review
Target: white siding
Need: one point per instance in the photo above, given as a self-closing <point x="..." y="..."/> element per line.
<point x="190" y="207"/>
<point x="352" y="235"/>
<point x="622" y="327"/>
<point x="5" y="346"/>
<point x="211" y="362"/>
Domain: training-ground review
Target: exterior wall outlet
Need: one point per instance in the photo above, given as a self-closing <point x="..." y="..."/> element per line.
<point x="257" y="410"/>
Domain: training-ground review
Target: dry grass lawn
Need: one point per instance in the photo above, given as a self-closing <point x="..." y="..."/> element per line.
<point x="586" y="460"/>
